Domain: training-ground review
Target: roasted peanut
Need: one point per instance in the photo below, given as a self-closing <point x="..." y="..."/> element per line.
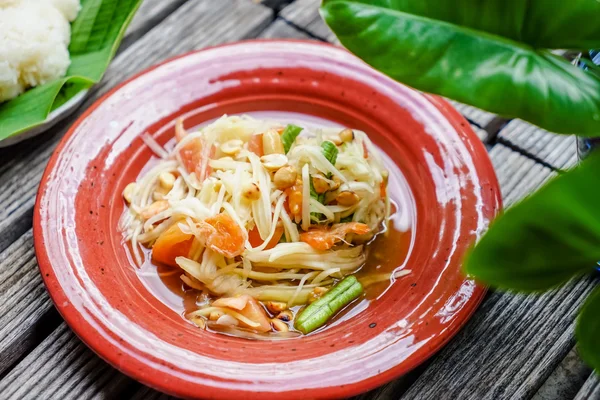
<point x="276" y="306"/>
<point x="251" y="191"/>
<point x="347" y="198"/>
<point x="129" y="191"/>
<point x="335" y="139"/>
<point x="274" y="162"/>
<point x="279" y="325"/>
<point x="320" y="184"/>
<point x="285" y="177"/>
<point x="272" y="143"/>
<point x="166" y="180"/>
<point x="285" y="316"/>
<point x="336" y="183"/>
<point x="232" y="146"/>
<point x="347" y="135"/>
<point x="159" y="194"/>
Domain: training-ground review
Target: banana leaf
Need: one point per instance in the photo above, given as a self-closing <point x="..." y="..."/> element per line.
<point x="95" y="37"/>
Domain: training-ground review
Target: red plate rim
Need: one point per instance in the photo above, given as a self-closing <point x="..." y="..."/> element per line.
<point x="143" y="372"/>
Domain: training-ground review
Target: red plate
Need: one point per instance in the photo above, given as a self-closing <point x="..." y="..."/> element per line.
<point x="450" y="197"/>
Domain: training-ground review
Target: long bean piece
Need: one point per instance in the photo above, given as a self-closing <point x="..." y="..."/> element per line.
<point x="318" y="313"/>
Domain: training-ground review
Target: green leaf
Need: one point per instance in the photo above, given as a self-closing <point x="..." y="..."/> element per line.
<point x="330" y="151"/>
<point x="553" y="24"/>
<point x="430" y="52"/>
<point x="588" y="330"/>
<point x="95" y="37"/>
<point x="546" y="239"/>
<point x="289" y="135"/>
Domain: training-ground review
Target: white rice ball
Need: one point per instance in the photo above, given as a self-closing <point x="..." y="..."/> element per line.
<point x="68" y="8"/>
<point x="35" y="36"/>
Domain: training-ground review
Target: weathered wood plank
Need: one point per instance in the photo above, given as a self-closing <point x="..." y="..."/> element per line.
<point x="145" y="393"/>
<point x="514" y="342"/>
<point x="191" y="27"/>
<point x="508" y="350"/>
<point x="305" y="15"/>
<point x="566" y="380"/>
<point x="280" y="29"/>
<point x="150" y="14"/>
<point x="150" y="11"/>
<point x="274" y="4"/>
<point x="24" y="303"/>
<point x="590" y="389"/>
<point x="480" y="117"/>
<point x="62" y="367"/>
<point x="559" y="151"/>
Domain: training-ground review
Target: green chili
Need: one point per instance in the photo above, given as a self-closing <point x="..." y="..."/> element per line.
<point x="318" y="313"/>
<point x="289" y="135"/>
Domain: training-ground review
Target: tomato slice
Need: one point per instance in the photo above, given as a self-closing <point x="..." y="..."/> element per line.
<point x="171" y="244"/>
<point x="255" y="239"/>
<point x="255" y="145"/>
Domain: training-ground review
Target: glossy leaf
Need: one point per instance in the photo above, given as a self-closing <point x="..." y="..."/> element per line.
<point x="95" y="37"/>
<point x="548" y="238"/>
<point x="551" y="24"/>
<point x="466" y="63"/>
<point x="588" y="330"/>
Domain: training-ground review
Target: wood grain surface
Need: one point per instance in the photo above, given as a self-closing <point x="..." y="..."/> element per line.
<point x="515" y="346"/>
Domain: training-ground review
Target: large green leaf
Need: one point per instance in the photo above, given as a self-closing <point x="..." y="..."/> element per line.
<point x="552" y="24"/>
<point x="95" y="37"/>
<point x="480" y="68"/>
<point x="588" y="330"/>
<point x="547" y="238"/>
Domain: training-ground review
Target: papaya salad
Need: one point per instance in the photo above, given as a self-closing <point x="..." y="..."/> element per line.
<point x="267" y="223"/>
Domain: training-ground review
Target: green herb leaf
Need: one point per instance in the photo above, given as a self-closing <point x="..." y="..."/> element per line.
<point x="540" y="24"/>
<point x="289" y="135"/>
<point x="546" y="239"/>
<point x="330" y="151"/>
<point x="470" y="53"/>
<point x="95" y="37"/>
<point x="588" y="330"/>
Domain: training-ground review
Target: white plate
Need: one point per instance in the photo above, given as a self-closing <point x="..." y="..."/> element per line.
<point x="55" y="116"/>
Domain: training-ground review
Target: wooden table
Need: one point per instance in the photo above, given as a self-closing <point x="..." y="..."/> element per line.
<point x="515" y="346"/>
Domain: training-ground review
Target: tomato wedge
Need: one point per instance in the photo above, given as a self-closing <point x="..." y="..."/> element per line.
<point x="255" y="145"/>
<point x="255" y="239"/>
<point x="171" y="244"/>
